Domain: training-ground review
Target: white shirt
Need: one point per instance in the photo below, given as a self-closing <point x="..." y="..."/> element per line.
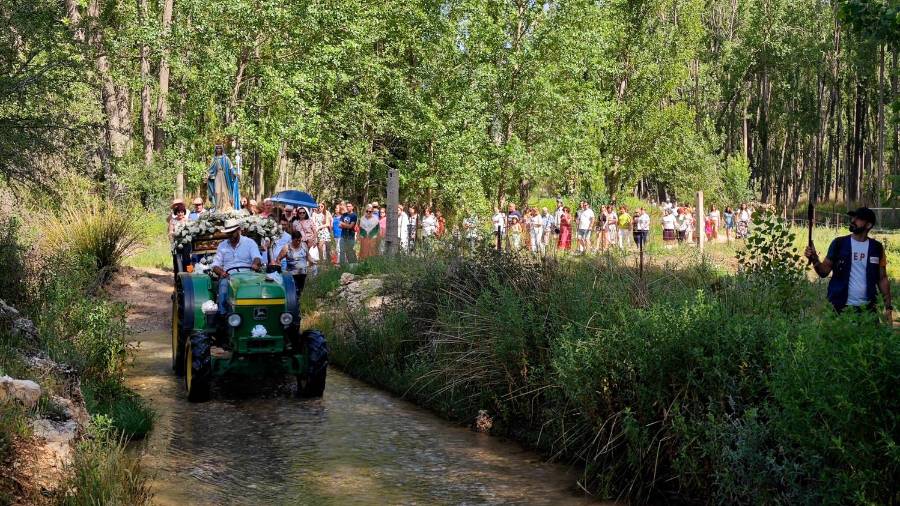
<point x="557" y="216"/>
<point x="429" y="225"/>
<point x="856" y="296"/>
<point x="668" y="222"/>
<point x="403" y="225"/>
<point x="537" y="223"/>
<point x="499" y="220"/>
<point x="585" y="218"/>
<point x="241" y="255"/>
<point x="643" y="222"/>
<point x="744" y="215"/>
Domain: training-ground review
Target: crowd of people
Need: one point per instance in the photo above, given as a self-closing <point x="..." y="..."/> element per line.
<point x="321" y="236"/>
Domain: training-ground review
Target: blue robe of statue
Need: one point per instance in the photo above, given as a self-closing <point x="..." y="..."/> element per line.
<point x="223" y="164"/>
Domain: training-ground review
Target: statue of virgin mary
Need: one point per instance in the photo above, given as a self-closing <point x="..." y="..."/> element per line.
<point x="222" y="184"/>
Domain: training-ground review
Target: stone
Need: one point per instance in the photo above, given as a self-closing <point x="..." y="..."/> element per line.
<point x="7" y="311"/>
<point x="53" y="452"/>
<point x="25" y="391"/>
<point x="25" y="328"/>
<point x="71" y="410"/>
<point x="347" y="278"/>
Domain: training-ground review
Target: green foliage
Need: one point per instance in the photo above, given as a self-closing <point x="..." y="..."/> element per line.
<point x="687" y="385"/>
<point x="13" y="425"/>
<point x="769" y="255"/>
<point x="12" y="269"/>
<point x="835" y="388"/>
<point x="128" y="414"/>
<point x="104" y="472"/>
<point x="84" y="330"/>
<point x="107" y="234"/>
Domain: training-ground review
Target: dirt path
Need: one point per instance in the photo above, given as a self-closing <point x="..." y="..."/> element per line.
<point x="258" y="445"/>
<point x="147" y="293"/>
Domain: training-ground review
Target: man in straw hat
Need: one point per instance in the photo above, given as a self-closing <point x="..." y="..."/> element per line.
<point x="198" y="208"/>
<point x="236" y="251"/>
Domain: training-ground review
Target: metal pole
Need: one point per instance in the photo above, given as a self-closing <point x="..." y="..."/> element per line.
<point x="393" y="200"/>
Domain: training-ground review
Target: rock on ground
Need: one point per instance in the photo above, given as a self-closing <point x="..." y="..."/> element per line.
<point x="26" y="392"/>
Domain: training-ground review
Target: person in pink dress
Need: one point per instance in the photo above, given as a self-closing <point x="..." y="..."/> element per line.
<point x="565" y="230"/>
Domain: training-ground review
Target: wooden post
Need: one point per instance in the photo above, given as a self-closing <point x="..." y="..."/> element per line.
<point x="700" y="221"/>
<point x="391" y="236"/>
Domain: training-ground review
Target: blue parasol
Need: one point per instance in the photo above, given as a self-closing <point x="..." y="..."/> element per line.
<point x="295" y="198"/>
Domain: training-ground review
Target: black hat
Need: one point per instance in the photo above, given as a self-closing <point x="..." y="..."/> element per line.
<point x="864" y="213"/>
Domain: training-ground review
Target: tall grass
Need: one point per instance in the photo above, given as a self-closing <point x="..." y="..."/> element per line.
<point x="690" y="384"/>
<point x="102" y="232"/>
<point x="103" y="472"/>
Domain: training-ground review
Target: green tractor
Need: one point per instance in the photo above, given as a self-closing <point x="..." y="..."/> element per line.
<point x="261" y="335"/>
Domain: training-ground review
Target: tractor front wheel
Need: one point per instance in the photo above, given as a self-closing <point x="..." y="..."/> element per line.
<point x="197" y="367"/>
<point x="312" y="384"/>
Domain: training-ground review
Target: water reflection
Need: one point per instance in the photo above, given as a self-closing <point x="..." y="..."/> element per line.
<point x="358" y="445"/>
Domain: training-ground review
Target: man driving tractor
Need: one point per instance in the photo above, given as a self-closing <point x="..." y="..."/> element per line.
<point x="235" y="252"/>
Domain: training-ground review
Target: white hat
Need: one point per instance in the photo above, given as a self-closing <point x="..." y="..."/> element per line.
<point x="231" y="225"/>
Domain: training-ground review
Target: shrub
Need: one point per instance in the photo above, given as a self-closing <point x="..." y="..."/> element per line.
<point x="127" y="412"/>
<point x="104" y="233"/>
<point x="12" y="268"/>
<point x="685" y="386"/>
<point x="103" y="472"/>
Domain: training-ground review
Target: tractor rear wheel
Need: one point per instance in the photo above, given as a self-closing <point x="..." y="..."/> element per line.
<point x="312" y="384"/>
<point x="197" y="367"/>
<point x="178" y="332"/>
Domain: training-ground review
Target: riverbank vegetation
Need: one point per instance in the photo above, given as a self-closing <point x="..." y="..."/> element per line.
<point x="693" y="384"/>
<point x="53" y="273"/>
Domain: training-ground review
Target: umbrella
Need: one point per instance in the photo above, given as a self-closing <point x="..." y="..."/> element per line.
<point x="295" y="198"/>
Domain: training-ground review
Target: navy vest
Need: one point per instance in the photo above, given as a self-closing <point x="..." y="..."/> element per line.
<point x="840" y="253"/>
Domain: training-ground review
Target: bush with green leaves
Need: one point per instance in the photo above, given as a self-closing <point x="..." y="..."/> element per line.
<point x="769" y="255"/>
<point x="688" y="385"/>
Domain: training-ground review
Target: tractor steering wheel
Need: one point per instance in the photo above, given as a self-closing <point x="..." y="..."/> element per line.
<point x="228" y="271"/>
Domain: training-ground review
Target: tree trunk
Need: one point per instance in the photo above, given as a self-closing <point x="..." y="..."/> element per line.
<point x="162" y="100"/>
<point x="87" y="30"/>
<point x="243" y="58"/>
<point x="281" y="165"/>
<point x="145" y="90"/>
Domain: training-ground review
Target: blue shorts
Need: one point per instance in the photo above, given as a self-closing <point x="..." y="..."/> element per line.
<point x="584" y="234"/>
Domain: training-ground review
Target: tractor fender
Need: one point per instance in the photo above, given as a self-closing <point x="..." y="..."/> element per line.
<point x="196" y="289"/>
<point x="291" y="304"/>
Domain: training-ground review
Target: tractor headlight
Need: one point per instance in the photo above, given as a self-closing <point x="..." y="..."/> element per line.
<point x="234" y="320"/>
<point x="286" y="319"/>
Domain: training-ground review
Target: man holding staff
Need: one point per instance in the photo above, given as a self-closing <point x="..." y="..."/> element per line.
<point x="858" y="266"/>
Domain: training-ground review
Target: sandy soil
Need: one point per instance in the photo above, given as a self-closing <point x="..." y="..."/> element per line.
<point x="142" y="290"/>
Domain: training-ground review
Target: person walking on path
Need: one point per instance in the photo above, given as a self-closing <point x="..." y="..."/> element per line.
<point x="743" y="222"/>
<point x="348" y="235"/>
<point x="337" y="231"/>
<point x="858" y="267"/>
<point x="198" y="209"/>
<point x="716" y="216"/>
<point x="641" y="228"/>
<point x="413" y="228"/>
<point x="585" y="224"/>
<point x="402" y="228"/>
<point x="536" y="228"/>
<point x="322" y="222"/>
<point x="669" y="225"/>
<point x="624" y="224"/>
<point x="498" y="226"/>
<point x="368" y="233"/>
<point x="728" y="215"/>
<point x="612" y="226"/>
<point x="550" y="226"/>
<point x="565" y="230"/>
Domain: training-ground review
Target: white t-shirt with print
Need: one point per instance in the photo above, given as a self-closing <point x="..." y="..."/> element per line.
<point x="859" y="258"/>
<point x="584" y="219"/>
